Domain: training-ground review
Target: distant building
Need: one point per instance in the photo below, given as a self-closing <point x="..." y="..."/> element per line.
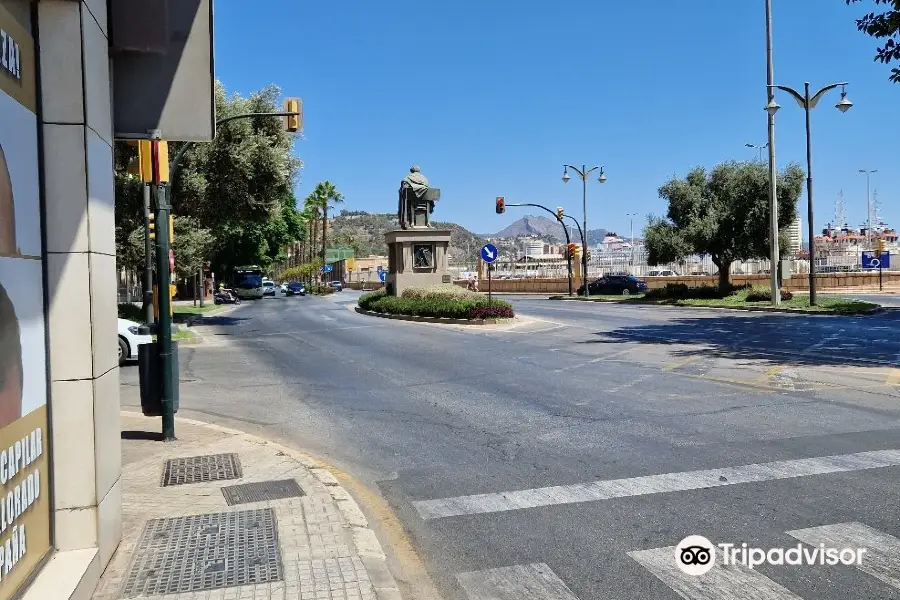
<point x="795" y="236"/>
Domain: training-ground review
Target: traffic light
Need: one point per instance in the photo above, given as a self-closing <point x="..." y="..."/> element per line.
<point x="501" y="205"/>
<point x="559" y="213"/>
<point x="587" y="255"/>
<point x="151" y="227"/>
<point x="171" y="228"/>
<point x="293" y="123"/>
<point x="570" y="250"/>
<point x="576" y="250"/>
<point x="879" y="246"/>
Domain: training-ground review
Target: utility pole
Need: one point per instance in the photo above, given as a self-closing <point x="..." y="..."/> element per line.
<point x="148" y="256"/>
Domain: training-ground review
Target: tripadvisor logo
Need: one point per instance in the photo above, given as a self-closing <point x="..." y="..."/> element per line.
<point x="696" y="555"/>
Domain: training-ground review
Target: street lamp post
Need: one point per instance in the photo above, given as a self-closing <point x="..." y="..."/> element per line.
<point x="808" y="103"/>
<point x="774" y="253"/>
<point x="867" y="173"/>
<point x="584" y="173"/>
<point x="759" y="147"/>
<point x="631" y="217"/>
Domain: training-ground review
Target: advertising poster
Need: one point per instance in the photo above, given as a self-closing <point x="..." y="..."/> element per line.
<point x="24" y="439"/>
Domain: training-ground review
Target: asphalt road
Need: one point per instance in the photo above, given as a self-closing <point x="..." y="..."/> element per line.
<point x="565" y="456"/>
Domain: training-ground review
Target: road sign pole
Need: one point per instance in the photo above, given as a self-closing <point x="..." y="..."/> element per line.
<point x="490" y="268"/>
<point x="879" y="275"/>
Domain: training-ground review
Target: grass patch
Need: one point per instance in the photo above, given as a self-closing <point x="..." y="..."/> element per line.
<point x="182" y="335"/>
<point x="180" y="309"/>
<point x="448" y="302"/>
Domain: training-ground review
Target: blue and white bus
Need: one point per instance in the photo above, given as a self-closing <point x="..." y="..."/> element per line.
<point x="247" y="282"/>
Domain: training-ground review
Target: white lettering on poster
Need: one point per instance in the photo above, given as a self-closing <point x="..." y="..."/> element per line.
<point x="16" y="501"/>
<point x="10" y="59"/>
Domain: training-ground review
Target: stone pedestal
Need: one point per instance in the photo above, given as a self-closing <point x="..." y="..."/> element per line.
<point x="416" y="257"/>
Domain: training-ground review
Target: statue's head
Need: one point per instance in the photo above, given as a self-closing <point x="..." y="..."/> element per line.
<point x="415" y="169"/>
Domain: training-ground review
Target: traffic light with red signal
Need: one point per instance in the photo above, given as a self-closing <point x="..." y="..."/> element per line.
<point x="559" y="213"/>
<point x="571" y="250"/>
<point x="501" y="205"/>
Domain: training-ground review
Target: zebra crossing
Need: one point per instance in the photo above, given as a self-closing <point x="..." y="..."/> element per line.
<point x="537" y="581"/>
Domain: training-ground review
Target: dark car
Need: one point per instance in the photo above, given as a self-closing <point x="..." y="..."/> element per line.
<point x="615" y="285"/>
<point x="296" y="288"/>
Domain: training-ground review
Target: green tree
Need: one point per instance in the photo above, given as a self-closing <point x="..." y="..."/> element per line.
<point x="723" y="213"/>
<point x="885" y="26"/>
<point x="322" y="199"/>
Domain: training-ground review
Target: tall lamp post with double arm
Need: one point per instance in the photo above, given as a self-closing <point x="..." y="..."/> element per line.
<point x="584" y="173"/>
<point x="807" y="102"/>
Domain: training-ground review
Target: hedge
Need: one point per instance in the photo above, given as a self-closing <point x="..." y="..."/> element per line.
<point x="765" y="295"/>
<point x="680" y="291"/>
<point x="437" y="302"/>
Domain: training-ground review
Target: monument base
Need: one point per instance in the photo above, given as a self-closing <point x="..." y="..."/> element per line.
<point x="416" y="257"/>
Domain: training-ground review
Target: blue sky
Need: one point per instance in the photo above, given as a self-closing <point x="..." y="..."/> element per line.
<point x="492" y="97"/>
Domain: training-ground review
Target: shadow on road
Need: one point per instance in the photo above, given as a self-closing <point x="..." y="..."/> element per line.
<point x="800" y="340"/>
<point x="149" y="436"/>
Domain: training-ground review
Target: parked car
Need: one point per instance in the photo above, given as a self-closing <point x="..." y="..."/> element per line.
<point x="269" y="288"/>
<point x="130" y="337"/>
<point x="615" y="285"/>
<point x="284" y="287"/>
<point x="662" y="273"/>
<point x="337" y="285"/>
<point x="295" y="288"/>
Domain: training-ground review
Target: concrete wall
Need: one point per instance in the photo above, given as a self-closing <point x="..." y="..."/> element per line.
<point x="81" y="263"/>
<point x="794" y="283"/>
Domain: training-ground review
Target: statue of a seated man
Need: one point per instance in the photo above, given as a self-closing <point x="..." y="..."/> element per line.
<point x="416" y="200"/>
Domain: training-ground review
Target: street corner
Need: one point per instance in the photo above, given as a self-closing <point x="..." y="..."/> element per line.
<point x="291" y="525"/>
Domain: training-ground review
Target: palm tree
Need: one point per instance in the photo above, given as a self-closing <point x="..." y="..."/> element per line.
<point x="326" y="197"/>
<point x="310" y="214"/>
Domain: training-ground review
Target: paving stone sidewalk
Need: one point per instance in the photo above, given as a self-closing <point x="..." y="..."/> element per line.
<point x="192" y="545"/>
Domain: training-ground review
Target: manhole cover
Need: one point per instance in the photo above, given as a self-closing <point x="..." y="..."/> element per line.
<point x="201" y="469"/>
<point x="262" y="491"/>
<point x="205" y="552"/>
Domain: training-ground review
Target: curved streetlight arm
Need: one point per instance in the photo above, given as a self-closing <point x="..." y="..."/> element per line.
<point x="578" y="225"/>
<point x="584" y="174"/>
<point x="175" y="165"/>
<point x="794" y="93"/>
<point x="814" y="99"/>
<point x="818" y="95"/>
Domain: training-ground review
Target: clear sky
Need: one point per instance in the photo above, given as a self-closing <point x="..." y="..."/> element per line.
<point x="492" y="97"/>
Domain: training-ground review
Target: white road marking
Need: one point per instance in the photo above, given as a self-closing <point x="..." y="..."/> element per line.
<point x="731" y="582"/>
<point x="882" y="556"/>
<point x="326" y="318"/>
<point x="593" y="361"/>
<point x="654" y="484"/>
<point x="521" y="582"/>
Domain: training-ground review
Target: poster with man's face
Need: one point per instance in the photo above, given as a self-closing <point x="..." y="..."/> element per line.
<point x="24" y="439"/>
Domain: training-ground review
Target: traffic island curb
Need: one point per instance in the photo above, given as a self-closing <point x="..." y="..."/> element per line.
<point x="434" y="320"/>
<point x="360" y="536"/>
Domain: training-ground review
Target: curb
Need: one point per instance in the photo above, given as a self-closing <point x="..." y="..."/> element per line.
<point x="439" y="320"/>
<point x="771" y="309"/>
<point x="364" y="539"/>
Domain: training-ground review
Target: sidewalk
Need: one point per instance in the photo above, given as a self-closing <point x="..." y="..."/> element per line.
<point x="299" y="536"/>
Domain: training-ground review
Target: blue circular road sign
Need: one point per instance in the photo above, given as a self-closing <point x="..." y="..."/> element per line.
<point x="382" y="275"/>
<point x="327" y="268"/>
<point x="489" y="253"/>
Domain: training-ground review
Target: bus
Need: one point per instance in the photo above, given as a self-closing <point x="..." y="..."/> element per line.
<point x="247" y="282"/>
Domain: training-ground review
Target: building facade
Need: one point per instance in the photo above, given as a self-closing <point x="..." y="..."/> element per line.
<point x="60" y="453"/>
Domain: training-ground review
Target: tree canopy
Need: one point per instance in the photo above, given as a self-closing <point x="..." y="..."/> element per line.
<point x="723" y="213"/>
<point x="885" y="26"/>
<point x="233" y="197"/>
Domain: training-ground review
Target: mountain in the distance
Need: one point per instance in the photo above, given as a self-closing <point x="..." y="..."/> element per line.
<point x="545" y="227"/>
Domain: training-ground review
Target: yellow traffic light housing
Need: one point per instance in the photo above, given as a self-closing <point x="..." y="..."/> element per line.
<point x="171" y="228"/>
<point x="571" y="250"/>
<point x="293" y="123"/>
<point x="151" y="226"/>
<point x="879" y="247"/>
<point x="559" y="213"/>
<point x="501" y="205"/>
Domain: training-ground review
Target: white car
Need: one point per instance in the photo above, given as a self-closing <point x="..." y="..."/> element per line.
<point x="269" y="288"/>
<point x="130" y="339"/>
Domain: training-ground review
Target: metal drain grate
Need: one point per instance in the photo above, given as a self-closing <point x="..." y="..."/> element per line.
<point x="205" y="552"/>
<point x="262" y="491"/>
<point x="201" y="469"/>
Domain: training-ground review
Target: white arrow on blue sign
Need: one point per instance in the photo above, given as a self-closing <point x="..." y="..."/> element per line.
<point x="489" y="253"/>
<point x="382" y="276"/>
<point x="327" y="268"/>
